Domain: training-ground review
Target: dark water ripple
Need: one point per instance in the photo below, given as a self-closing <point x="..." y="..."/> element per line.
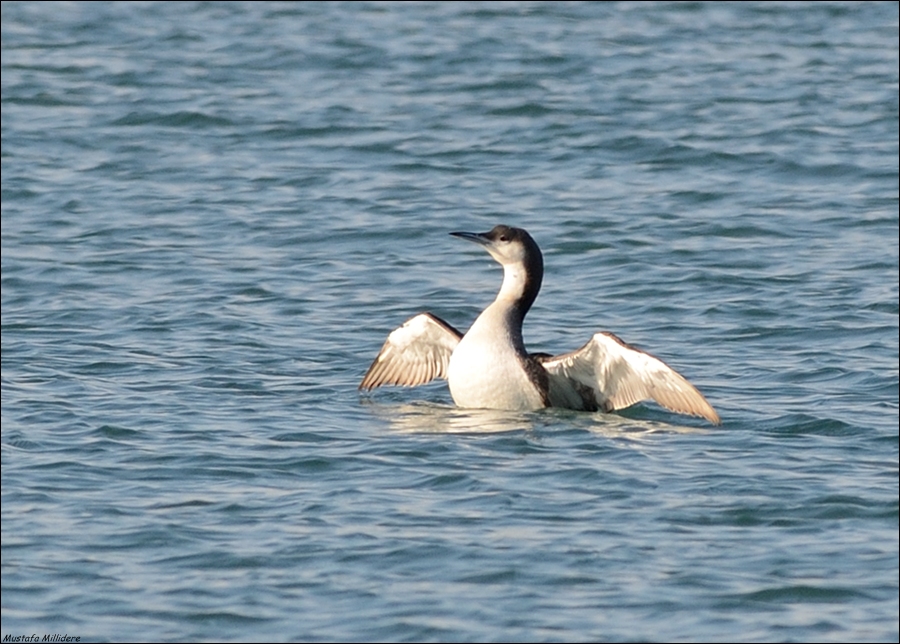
<point x="212" y="214"/>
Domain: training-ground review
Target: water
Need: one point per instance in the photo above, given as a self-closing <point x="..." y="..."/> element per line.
<point x="213" y="214"/>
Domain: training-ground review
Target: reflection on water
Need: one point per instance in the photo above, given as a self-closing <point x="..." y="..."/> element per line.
<point x="428" y="418"/>
<point x="425" y="417"/>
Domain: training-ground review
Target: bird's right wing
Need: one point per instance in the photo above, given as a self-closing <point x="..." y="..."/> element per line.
<point x="415" y="353"/>
<point x="616" y="375"/>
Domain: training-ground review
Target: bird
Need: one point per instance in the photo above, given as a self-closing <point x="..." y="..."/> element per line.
<point x="489" y="367"/>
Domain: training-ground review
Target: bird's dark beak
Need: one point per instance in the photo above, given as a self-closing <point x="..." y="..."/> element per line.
<point x="478" y="238"/>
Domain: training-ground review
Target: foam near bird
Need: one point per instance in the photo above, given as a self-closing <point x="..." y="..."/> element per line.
<point x="489" y="367"/>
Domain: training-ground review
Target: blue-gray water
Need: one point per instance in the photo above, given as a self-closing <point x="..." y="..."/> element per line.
<point x="213" y="214"/>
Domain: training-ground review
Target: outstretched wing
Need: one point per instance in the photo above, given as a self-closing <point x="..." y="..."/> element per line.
<point x="415" y="353"/>
<point x="617" y="375"/>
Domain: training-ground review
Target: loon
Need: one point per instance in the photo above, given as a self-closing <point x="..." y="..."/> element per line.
<point x="489" y="367"/>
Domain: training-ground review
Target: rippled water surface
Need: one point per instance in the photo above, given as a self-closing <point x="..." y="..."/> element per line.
<point x="213" y="214"/>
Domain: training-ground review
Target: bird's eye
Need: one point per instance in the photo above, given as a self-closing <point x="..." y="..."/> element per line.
<point x="503" y="238"/>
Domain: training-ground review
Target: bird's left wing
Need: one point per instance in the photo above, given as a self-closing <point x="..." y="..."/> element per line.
<point x="616" y="375"/>
<point x="415" y="353"/>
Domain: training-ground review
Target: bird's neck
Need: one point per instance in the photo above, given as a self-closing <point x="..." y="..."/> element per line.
<point x="521" y="284"/>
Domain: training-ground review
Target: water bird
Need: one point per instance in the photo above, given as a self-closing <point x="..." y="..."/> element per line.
<point x="489" y="367"/>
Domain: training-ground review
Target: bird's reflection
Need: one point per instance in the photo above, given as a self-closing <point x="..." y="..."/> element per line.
<point x="427" y="417"/>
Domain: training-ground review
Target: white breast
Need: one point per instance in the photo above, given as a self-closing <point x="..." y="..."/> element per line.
<point x="486" y="371"/>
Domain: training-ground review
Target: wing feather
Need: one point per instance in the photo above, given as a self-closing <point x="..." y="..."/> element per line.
<point x="413" y="354"/>
<point x="619" y="375"/>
